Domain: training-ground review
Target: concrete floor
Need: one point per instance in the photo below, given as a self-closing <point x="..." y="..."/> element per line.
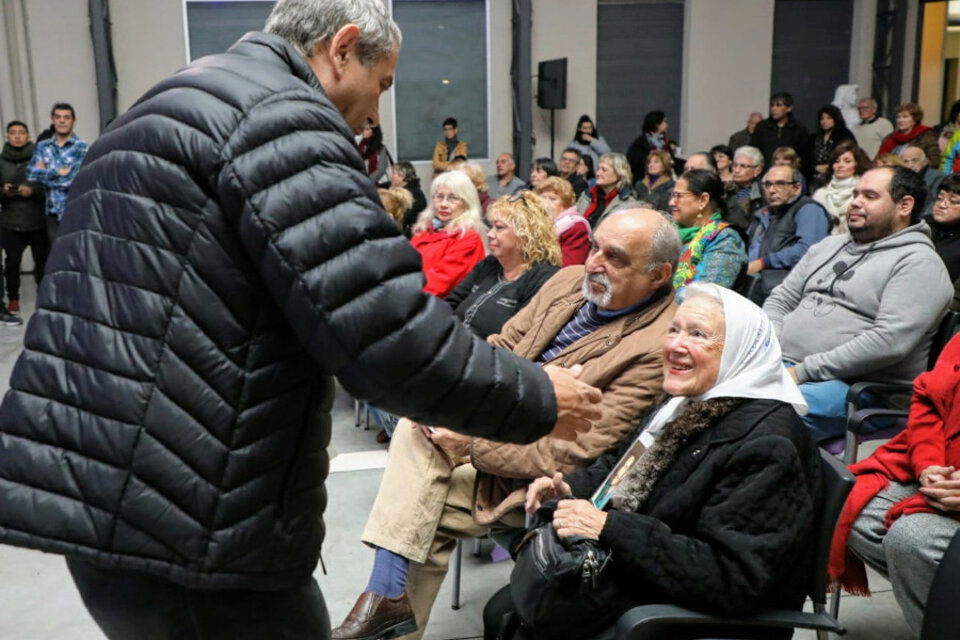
<point x="38" y="600"/>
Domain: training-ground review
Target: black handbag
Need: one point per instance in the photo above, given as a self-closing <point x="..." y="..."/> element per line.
<point x="562" y="588"/>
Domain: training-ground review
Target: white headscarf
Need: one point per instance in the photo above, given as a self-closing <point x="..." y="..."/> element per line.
<point x="751" y="365"/>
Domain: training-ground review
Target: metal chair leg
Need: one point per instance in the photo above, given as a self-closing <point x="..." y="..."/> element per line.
<point x="366" y="416"/>
<point x="356" y="413"/>
<point x="457" y="560"/>
<point x="477" y="550"/>
<point x="835" y="603"/>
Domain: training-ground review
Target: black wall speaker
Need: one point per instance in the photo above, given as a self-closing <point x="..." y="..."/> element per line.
<point x="552" y="84"/>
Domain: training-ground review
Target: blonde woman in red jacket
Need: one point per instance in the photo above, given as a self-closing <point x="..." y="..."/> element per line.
<point x="449" y="233"/>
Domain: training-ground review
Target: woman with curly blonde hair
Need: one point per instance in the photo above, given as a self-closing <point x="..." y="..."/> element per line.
<point x="449" y="233"/>
<point x="524" y="253"/>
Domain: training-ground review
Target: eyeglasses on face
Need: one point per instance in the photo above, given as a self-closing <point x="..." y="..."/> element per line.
<point x="741" y="165"/>
<point x="779" y="184"/>
<point x="676" y="195"/>
<point x="449" y="197"/>
<point x="948" y="199"/>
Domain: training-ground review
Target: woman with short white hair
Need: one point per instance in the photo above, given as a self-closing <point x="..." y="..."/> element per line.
<point x="611" y="192"/>
<point x="449" y="233"/>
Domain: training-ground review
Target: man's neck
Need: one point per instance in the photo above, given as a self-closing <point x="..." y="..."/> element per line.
<point x="782" y="122"/>
<point x="568" y="176"/>
<point x="870" y="120"/>
<point x="62" y="139"/>
<point x="505" y="179"/>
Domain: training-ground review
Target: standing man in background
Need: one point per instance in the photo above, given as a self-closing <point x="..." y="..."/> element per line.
<point x="55" y="163"/>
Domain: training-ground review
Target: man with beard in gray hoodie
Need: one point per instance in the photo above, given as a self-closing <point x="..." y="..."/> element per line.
<point x="863" y="305"/>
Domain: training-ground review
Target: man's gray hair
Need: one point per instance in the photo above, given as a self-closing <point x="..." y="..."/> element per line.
<point x="754" y="155"/>
<point x="306" y="23"/>
<point x="665" y="245"/>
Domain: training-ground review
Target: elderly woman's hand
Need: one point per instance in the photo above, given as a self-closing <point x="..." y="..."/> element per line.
<point x="578" y="518"/>
<point x="546" y="488"/>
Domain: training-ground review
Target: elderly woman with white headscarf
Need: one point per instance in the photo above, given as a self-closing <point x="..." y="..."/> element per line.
<point x="711" y="504"/>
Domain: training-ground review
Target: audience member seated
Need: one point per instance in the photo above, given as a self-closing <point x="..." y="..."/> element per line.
<point x="787" y="156"/>
<point x="915" y="159"/>
<point x="723" y="160"/>
<point x="402" y="174"/>
<point x="23" y="219"/>
<point x="571" y="228"/>
<point x="611" y="192"/>
<point x="911" y="130"/>
<point x="742" y="138"/>
<point x="873" y="129"/>
<point x="449" y="147"/>
<point x="711" y="504"/>
<point x="609" y="319"/>
<point x="783" y="231"/>
<point x="657" y="182"/>
<point x="781" y="129"/>
<point x="585" y="169"/>
<point x="397" y="202"/>
<point x="847" y="164"/>
<point x="904" y="509"/>
<point x="700" y="160"/>
<point x="713" y="251"/>
<point x="588" y="141"/>
<point x="831" y="131"/>
<point x="945" y="224"/>
<point x="479" y="180"/>
<point x="744" y="195"/>
<point x="569" y="161"/>
<point x="653" y="135"/>
<point x="505" y="181"/>
<point x="376" y="160"/>
<point x="541" y="168"/>
<point x="448" y="233"/>
<point x="863" y="305"/>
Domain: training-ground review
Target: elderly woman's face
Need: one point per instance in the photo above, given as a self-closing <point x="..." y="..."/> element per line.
<point x="447" y="205"/>
<point x="905" y="121"/>
<point x="503" y="241"/>
<point x="606" y="176"/>
<point x="693" y="348"/>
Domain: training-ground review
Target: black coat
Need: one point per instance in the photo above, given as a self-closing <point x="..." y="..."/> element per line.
<point x="727" y="528"/>
<point x="223" y="256"/>
<point x="419" y="204"/>
<point x="768" y="135"/>
<point x="484" y="302"/>
<point x="16" y="212"/>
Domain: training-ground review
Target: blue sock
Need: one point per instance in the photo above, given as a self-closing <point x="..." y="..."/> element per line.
<point x="389" y="575"/>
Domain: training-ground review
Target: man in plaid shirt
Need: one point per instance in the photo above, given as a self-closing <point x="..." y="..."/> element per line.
<point x="55" y="163"/>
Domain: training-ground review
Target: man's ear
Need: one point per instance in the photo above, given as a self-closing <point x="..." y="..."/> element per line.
<point x="905" y="206"/>
<point x="333" y="54"/>
<point x="662" y="275"/>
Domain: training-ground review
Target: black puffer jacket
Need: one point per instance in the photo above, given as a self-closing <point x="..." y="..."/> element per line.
<point x="727" y="528"/>
<point x="221" y="258"/>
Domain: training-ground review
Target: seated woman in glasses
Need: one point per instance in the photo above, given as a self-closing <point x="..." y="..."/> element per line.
<point x="713" y="251"/>
<point x="448" y="233"/>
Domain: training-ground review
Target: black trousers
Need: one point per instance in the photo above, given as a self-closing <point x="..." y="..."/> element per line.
<point x="14" y="244"/>
<point x="129" y="605"/>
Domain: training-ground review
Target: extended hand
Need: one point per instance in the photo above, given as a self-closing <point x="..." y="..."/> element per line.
<point x="578" y="518"/>
<point x="577" y="402"/>
<point x="545" y="488"/>
<point x="453" y="443"/>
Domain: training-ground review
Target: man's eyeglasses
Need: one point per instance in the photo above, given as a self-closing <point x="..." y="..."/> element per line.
<point x="449" y="197"/>
<point x="779" y="184"/>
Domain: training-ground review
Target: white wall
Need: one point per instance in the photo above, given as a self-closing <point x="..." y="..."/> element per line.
<point x="727" y="57"/>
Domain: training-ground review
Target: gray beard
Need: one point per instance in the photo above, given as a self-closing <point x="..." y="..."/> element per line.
<point x="602" y="300"/>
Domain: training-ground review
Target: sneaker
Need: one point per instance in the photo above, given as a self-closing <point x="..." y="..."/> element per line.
<point x="13" y="306"/>
<point x="7" y="319"/>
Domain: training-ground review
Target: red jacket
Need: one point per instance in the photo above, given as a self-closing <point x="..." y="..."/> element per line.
<point x="447" y="258"/>
<point x="929" y="439"/>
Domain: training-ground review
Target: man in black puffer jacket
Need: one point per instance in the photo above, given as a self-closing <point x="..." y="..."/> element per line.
<point x="222" y="257"/>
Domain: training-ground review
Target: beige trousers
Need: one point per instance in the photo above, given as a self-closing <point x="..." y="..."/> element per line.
<point x="421" y="510"/>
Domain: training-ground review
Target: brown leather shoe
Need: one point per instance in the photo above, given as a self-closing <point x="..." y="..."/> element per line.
<point x="375" y="616"/>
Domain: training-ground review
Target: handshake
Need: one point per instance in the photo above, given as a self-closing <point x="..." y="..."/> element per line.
<point x="578" y="404"/>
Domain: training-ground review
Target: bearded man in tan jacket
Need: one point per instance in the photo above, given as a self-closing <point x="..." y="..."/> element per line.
<point x="606" y="319"/>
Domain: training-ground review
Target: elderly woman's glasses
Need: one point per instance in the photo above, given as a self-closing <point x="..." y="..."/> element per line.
<point x="948" y="199"/>
<point x="676" y="195"/>
<point x="448" y="197"/>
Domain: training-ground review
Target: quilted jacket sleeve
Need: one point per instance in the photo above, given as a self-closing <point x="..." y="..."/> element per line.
<point x="729" y="562"/>
<point x="349" y="283"/>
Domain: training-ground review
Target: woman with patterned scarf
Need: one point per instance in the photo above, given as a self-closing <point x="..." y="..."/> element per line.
<point x="713" y="251"/>
<point x="712" y="503"/>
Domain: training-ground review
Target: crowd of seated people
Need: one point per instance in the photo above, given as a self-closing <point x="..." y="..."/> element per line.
<point x="852" y="256"/>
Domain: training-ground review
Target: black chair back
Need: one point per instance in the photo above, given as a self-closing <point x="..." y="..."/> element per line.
<point x="947" y="329"/>
<point x="836" y="483"/>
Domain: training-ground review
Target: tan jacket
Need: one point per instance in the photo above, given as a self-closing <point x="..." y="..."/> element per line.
<point x="622" y="359"/>
<point x="440" y="155"/>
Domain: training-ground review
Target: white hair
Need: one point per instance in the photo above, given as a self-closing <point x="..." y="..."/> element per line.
<point x="306" y="23"/>
<point x="463" y="188"/>
<point x="751" y="153"/>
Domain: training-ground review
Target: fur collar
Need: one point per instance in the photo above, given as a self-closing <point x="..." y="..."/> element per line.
<point x="695" y="418"/>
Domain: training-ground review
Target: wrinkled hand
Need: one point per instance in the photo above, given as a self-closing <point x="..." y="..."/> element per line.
<point x="452" y="442"/>
<point x="545" y="488"/>
<point x="755" y="266"/>
<point x="578" y="518"/>
<point x="933" y="474"/>
<point x="944" y="494"/>
<point x="577" y="402"/>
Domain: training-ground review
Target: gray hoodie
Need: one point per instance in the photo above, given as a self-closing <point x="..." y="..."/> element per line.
<point x="869" y="311"/>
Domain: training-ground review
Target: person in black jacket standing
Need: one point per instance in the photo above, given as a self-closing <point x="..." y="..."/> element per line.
<point x="223" y="257"/>
<point x="781" y="129"/>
